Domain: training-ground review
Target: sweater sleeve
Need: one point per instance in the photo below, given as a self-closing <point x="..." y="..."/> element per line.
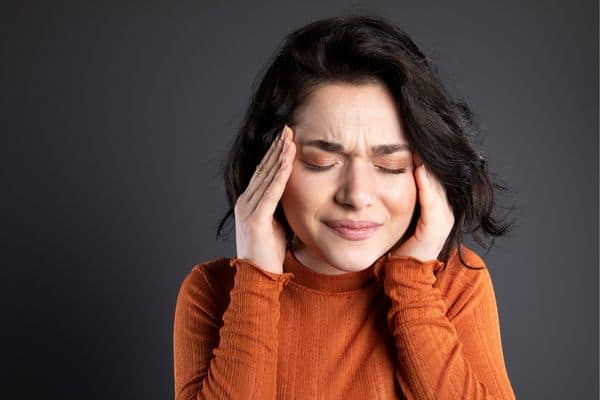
<point x="442" y="355"/>
<point x="239" y="359"/>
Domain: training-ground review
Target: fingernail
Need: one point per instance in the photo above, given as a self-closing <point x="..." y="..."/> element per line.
<point x="282" y="135"/>
<point x="286" y="144"/>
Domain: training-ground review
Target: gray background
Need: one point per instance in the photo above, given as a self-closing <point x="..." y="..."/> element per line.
<point x="115" y="117"/>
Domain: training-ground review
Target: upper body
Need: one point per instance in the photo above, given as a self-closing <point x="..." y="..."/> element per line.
<point x="399" y="329"/>
<point x="373" y="180"/>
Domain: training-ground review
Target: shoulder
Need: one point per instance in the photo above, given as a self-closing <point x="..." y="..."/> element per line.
<point x="461" y="284"/>
<point x="470" y="256"/>
<point x="210" y="280"/>
<point x="465" y="263"/>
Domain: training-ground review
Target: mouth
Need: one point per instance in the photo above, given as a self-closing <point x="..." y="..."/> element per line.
<point x="353" y="230"/>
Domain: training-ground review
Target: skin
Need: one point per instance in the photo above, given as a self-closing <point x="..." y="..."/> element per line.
<point x="356" y="186"/>
<point x="259" y="238"/>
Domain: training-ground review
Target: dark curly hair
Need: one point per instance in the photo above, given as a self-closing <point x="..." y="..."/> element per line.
<point x="358" y="49"/>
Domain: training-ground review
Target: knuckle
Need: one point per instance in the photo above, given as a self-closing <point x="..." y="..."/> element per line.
<point x="252" y="225"/>
<point x="271" y="194"/>
<point x="240" y="203"/>
<point x="241" y="199"/>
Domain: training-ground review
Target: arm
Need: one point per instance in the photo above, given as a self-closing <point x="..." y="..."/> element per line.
<point x="238" y="360"/>
<point x="443" y="355"/>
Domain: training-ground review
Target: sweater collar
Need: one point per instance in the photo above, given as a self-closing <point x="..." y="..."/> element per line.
<point x="348" y="281"/>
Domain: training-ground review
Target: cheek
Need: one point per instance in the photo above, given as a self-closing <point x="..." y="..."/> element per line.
<point x="299" y="198"/>
<point x="401" y="198"/>
<point x="304" y="188"/>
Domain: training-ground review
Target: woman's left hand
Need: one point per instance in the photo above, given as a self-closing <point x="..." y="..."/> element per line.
<point x="435" y="222"/>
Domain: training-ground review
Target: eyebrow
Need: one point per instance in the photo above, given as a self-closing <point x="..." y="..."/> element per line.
<point x="339" y="149"/>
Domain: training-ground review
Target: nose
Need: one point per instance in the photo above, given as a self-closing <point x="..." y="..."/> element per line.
<point x="358" y="186"/>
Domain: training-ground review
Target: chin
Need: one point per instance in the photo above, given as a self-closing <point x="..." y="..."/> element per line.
<point x="352" y="257"/>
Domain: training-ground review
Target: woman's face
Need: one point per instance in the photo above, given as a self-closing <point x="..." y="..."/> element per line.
<point x="341" y="129"/>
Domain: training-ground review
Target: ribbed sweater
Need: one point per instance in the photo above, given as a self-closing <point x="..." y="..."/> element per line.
<point x="400" y="329"/>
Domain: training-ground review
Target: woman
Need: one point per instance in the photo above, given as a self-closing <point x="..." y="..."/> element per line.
<point x="351" y="182"/>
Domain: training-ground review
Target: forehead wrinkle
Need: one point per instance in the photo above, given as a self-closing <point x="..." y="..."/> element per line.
<point x="356" y="132"/>
<point x="345" y="125"/>
<point x="349" y="122"/>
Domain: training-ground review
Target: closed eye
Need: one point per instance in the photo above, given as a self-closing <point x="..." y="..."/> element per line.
<point x="326" y="167"/>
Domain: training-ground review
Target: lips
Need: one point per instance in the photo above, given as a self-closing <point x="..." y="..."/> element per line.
<point x="347" y="223"/>
<point x="353" y="230"/>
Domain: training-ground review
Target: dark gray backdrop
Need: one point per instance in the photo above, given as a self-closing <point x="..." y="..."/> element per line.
<point x="114" y="119"/>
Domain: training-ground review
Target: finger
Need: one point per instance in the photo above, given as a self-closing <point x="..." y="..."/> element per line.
<point x="421" y="182"/>
<point x="425" y="191"/>
<point x="417" y="159"/>
<point x="267" y="162"/>
<point x="436" y="186"/>
<point x="262" y="183"/>
<point x="432" y="195"/>
<point x="271" y="196"/>
<point x="263" y="186"/>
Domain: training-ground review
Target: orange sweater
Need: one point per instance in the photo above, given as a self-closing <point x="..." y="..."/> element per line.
<point x="401" y="329"/>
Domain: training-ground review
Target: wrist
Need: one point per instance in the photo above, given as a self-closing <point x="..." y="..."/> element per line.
<point x="419" y="250"/>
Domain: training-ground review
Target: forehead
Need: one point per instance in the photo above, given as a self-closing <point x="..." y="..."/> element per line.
<point x="345" y="112"/>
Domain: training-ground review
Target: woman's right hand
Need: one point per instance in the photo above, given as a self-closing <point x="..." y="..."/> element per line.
<point x="258" y="236"/>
